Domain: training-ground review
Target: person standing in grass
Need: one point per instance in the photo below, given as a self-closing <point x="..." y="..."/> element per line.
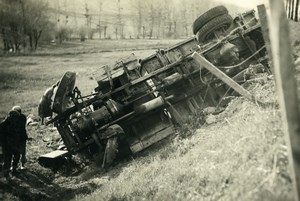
<point x="44" y="108"/>
<point x="24" y="136"/>
<point x="45" y="104"/>
<point x="13" y="139"/>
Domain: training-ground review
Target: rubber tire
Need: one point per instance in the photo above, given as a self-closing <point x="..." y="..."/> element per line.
<point x="224" y="21"/>
<point x="111" y="151"/>
<point x="65" y="87"/>
<point x="208" y="16"/>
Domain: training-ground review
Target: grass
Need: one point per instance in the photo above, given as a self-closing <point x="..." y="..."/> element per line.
<point x="75" y="47"/>
<point x="23" y="79"/>
<point x="241" y="157"/>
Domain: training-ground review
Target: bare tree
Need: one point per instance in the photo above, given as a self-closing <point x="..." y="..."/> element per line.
<point x="165" y="18"/>
<point x="88" y="22"/>
<point x="22" y="20"/>
<point x="138" y="15"/>
<point x="147" y="17"/>
<point x="100" y="14"/>
<point x="153" y="9"/>
<point x="184" y="15"/>
<point x="120" y="25"/>
<point x="35" y="19"/>
<point x="10" y="24"/>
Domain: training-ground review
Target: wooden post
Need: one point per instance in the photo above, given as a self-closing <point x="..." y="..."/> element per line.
<point x="262" y="13"/>
<point x="284" y="70"/>
<point x="222" y="76"/>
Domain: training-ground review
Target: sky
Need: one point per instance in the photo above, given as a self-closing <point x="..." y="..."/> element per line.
<point x="245" y="3"/>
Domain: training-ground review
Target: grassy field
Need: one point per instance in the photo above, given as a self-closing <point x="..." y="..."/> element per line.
<point x="242" y="156"/>
<point x="24" y="78"/>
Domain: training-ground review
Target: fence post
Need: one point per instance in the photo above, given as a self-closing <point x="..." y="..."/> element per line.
<point x="222" y="76"/>
<point x="284" y="70"/>
<point x="262" y="13"/>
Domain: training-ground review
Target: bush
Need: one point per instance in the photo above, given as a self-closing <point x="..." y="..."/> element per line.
<point x="62" y="34"/>
<point x="82" y="33"/>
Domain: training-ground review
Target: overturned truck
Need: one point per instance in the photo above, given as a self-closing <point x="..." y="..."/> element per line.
<point x="139" y="102"/>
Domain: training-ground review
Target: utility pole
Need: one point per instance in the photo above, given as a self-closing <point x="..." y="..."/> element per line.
<point x="175" y="29"/>
<point x="184" y="16"/>
<point x="192" y="11"/>
<point x="76" y="22"/>
<point x="24" y="24"/>
<point x="88" y="21"/>
<point x="58" y="28"/>
<point x="87" y="14"/>
<point x="151" y="20"/>
<point x="120" y="26"/>
<point x="144" y="31"/>
<point x="105" y="27"/>
<point x="57" y="13"/>
<point x="65" y="10"/>
<point x="140" y="18"/>
<point x="66" y="20"/>
<point x="100" y="12"/>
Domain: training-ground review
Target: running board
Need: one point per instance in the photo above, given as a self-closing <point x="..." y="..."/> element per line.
<point x="54" y="159"/>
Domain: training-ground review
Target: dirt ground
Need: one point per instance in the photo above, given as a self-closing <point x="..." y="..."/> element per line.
<point x="23" y="80"/>
<point x="249" y="162"/>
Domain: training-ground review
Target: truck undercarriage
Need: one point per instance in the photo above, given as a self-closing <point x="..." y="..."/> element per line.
<point x="139" y="102"/>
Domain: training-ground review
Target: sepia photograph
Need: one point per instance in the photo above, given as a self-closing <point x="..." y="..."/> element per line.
<point x="149" y="100"/>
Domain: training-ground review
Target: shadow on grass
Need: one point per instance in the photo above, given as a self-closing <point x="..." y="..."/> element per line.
<point x="29" y="185"/>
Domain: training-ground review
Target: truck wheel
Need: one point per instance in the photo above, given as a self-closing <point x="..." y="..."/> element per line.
<point x="207" y="16"/>
<point x="64" y="88"/>
<point x="206" y="32"/>
<point x="111" y="151"/>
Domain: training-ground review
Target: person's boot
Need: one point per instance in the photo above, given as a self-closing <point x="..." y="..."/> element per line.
<point x="22" y="167"/>
<point x="15" y="172"/>
<point x="23" y="161"/>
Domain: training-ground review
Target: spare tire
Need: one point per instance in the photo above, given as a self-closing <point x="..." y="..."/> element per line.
<point x="64" y="89"/>
<point x="205" y="33"/>
<point x="207" y="16"/>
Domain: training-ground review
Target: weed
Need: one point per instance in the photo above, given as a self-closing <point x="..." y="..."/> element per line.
<point x="238" y="158"/>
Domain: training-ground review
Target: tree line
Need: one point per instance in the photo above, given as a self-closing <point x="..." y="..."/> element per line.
<point x="22" y="23"/>
<point x="25" y="23"/>
<point x="166" y="19"/>
<point x="151" y="18"/>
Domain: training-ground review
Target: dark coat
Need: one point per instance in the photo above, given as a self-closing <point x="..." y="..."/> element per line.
<point x="44" y="108"/>
<point x="13" y="130"/>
